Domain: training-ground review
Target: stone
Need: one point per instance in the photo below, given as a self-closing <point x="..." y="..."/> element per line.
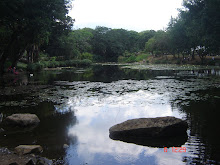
<point x="44" y="161"/>
<point x="22" y="120"/>
<point x="15" y="163"/>
<point x="30" y="162"/>
<point x="149" y="128"/>
<point x="65" y="146"/>
<point x="28" y="149"/>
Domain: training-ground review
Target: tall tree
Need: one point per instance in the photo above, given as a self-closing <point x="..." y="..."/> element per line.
<point x="30" y="23"/>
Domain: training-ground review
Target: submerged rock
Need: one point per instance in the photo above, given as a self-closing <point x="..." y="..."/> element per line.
<point x="28" y="149"/>
<point x="149" y="128"/>
<point x="22" y="119"/>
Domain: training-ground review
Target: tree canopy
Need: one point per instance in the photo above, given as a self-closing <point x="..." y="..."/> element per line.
<point x="28" y="24"/>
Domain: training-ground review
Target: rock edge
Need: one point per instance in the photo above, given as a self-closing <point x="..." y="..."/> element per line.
<point x="149" y="127"/>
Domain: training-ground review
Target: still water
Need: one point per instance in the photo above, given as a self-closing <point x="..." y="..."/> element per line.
<point x="81" y="105"/>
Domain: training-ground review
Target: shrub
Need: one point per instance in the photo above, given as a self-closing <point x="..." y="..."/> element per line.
<point x="141" y="57"/>
<point x="121" y="59"/>
<point x="35" y="67"/>
<point x="86" y="62"/>
<point x="22" y="66"/>
<point x="131" y="59"/>
<point x="86" y="55"/>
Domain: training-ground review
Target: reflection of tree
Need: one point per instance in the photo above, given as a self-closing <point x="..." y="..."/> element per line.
<point x="51" y="133"/>
<point x="203" y="117"/>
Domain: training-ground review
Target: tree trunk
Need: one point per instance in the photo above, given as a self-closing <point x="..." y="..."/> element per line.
<point x="6" y="52"/>
<point x="16" y="58"/>
<point x="2" y="63"/>
<point x="174" y="55"/>
<point x="36" y="53"/>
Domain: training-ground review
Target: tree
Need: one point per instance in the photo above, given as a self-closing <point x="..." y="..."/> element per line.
<point x="151" y="45"/>
<point x="197" y="26"/>
<point x="71" y="44"/>
<point x="29" y="24"/>
<point x="179" y="40"/>
<point x="144" y="37"/>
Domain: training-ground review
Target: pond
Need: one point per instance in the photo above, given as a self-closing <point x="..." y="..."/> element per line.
<point x="80" y="106"/>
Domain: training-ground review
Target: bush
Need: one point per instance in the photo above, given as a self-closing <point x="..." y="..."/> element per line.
<point x="86" y="62"/>
<point x="35" y="67"/>
<point x="86" y="55"/>
<point x="7" y="64"/>
<point x="142" y="57"/>
<point x="121" y="59"/>
<point x="43" y="56"/>
<point x="53" y="64"/>
<point x="131" y="59"/>
<point x="22" y="66"/>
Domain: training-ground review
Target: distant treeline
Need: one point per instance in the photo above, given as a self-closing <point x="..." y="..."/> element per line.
<point x="38" y="30"/>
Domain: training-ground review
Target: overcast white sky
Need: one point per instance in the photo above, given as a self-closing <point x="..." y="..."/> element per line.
<point x="138" y="15"/>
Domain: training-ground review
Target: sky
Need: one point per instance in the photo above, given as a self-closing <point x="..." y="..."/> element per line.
<point x="137" y="15"/>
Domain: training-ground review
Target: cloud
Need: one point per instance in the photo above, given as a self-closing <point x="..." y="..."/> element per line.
<point x="128" y="14"/>
<point x="96" y="115"/>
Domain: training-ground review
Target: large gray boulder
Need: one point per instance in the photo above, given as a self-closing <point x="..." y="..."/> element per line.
<point x="28" y="149"/>
<point x="149" y="128"/>
<point x="22" y="120"/>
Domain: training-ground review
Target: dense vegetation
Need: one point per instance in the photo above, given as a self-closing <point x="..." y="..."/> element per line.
<point x="40" y="32"/>
<point x="25" y="25"/>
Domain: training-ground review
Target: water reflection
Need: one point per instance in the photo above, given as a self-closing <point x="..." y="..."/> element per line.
<point x="90" y="101"/>
<point x="204" y="125"/>
<point x="97" y="114"/>
<point x="176" y="141"/>
<point x="51" y="133"/>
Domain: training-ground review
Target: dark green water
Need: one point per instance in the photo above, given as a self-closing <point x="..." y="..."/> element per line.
<point x="81" y="105"/>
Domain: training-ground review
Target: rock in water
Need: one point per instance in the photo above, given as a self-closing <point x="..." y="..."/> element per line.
<point x="28" y="149"/>
<point x="149" y="127"/>
<point x="22" y="119"/>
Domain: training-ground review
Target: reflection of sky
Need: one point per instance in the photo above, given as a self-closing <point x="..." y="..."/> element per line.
<point x="97" y="114"/>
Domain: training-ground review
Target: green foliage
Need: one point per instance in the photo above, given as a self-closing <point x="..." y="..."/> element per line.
<point x="131" y="57"/>
<point x="30" y="23"/>
<point x="142" y="57"/>
<point x="151" y="45"/>
<point x="54" y="64"/>
<point x="8" y="64"/>
<point x="22" y="66"/>
<point x="108" y="44"/>
<point x="43" y="57"/>
<point x="34" y="67"/>
<point x="198" y="25"/>
<point x="86" y="55"/>
<point x="158" y="45"/>
<point x="121" y="59"/>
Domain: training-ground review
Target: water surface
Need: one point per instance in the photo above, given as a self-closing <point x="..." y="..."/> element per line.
<point x="83" y="104"/>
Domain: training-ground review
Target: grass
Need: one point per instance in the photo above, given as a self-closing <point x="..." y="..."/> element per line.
<point x="130" y="58"/>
